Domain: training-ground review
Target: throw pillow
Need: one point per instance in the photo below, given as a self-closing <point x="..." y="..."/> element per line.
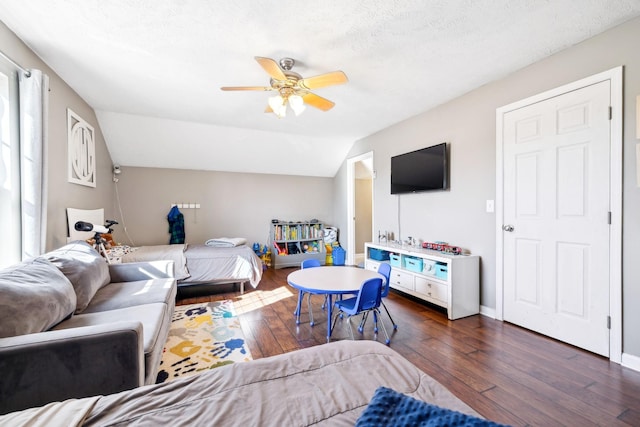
<point x="390" y="408"/>
<point x="84" y="267"/>
<point x="34" y="296"/>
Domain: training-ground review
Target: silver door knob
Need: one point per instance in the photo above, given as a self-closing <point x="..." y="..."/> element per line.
<point x="508" y="228"/>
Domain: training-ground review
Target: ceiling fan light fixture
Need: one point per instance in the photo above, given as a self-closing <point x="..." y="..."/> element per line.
<point x="297" y="104"/>
<point x="279" y="105"/>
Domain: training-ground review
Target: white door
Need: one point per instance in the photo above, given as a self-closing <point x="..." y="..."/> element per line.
<point x="556" y="217"/>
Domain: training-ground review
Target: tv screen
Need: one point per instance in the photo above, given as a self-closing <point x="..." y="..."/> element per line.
<point x="420" y="170"/>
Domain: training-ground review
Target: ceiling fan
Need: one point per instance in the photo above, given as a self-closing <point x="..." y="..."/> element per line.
<point x="292" y="88"/>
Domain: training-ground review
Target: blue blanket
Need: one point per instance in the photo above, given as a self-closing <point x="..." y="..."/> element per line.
<point x="390" y="408"/>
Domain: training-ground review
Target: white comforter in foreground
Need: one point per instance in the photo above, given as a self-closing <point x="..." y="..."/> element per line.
<point x="327" y="385"/>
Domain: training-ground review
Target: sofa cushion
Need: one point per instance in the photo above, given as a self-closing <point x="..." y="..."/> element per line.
<point x="155" y="319"/>
<point x="84" y="267"/>
<point x="152" y="317"/>
<point x="129" y="294"/>
<point x="34" y="296"/>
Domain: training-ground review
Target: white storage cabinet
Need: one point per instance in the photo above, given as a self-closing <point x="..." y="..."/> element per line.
<point x="446" y="280"/>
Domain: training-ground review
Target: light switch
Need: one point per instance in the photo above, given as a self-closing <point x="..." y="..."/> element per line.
<point x="490" y="206"/>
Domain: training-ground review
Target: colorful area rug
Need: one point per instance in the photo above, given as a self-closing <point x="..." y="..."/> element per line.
<point x="202" y="336"/>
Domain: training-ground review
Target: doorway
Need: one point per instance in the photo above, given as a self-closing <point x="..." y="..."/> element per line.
<point x="559" y="174"/>
<point x="359" y="206"/>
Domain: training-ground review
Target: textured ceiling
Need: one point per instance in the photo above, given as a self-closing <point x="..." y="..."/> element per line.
<point x="152" y="69"/>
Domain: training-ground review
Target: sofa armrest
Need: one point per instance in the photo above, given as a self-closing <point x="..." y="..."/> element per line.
<point x="71" y="363"/>
<point x="133" y="271"/>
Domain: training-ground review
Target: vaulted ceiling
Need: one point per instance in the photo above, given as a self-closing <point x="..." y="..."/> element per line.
<point x="152" y="69"/>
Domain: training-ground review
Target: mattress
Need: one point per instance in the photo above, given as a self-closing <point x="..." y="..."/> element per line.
<point x="326" y="385"/>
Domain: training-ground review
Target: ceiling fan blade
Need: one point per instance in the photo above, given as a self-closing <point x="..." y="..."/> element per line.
<point x="324" y="80"/>
<point x="271" y="67"/>
<point x="318" y="101"/>
<point x="246" y="88"/>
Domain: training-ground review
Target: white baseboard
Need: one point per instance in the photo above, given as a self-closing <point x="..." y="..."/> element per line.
<point x="488" y="311"/>
<point x="630" y="361"/>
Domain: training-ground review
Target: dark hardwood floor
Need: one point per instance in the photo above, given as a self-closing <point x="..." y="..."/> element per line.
<point x="506" y="373"/>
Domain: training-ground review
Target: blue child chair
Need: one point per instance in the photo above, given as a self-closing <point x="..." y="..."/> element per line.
<point x="385" y="270"/>
<point x="367" y="300"/>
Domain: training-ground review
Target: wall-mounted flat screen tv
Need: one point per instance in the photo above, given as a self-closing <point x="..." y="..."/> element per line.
<point x="420" y="170"/>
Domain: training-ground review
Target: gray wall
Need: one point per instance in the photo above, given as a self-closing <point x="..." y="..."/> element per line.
<point x="63" y="194"/>
<point x="231" y="204"/>
<point x="468" y="123"/>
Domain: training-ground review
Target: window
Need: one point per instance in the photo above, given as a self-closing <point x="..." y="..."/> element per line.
<point x="10" y="224"/>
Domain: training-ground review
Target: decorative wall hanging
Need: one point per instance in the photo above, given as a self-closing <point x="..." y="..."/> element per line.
<point x="82" y="150"/>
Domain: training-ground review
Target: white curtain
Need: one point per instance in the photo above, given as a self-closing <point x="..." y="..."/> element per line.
<point x="34" y="100"/>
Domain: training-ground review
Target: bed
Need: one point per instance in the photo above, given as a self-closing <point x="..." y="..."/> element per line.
<point x="327" y="385"/>
<point x="199" y="264"/>
<point x="221" y="261"/>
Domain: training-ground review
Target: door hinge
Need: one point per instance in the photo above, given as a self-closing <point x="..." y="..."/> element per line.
<point x="609" y="218"/>
<point x="610" y="112"/>
<point x="608" y="322"/>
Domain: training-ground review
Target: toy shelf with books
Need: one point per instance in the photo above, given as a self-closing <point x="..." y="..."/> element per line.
<point x="292" y="242"/>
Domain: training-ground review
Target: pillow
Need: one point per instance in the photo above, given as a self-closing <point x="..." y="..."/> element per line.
<point x="84" y="267"/>
<point x="34" y="296"/>
<point x="390" y="408"/>
<point x="115" y="253"/>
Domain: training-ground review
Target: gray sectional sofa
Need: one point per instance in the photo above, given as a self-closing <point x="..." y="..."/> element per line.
<point x="73" y="326"/>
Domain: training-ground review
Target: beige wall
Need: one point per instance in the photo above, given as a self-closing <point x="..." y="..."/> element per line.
<point x="363" y="206"/>
<point x="62" y="194"/>
<point x="468" y="123"/>
<point x="232" y="204"/>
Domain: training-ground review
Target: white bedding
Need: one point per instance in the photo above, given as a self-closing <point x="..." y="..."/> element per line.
<point x="226" y="242"/>
<point x="326" y="385"/>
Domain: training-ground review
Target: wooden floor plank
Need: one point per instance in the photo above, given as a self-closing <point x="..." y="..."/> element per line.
<point x="506" y="373"/>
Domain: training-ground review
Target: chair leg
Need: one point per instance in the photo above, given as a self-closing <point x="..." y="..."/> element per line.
<point x="395" y="325"/>
<point x="375" y="321"/>
<point x="363" y="321"/>
<point x="350" y="328"/>
<point x="310" y="310"/>
<point x="384" y="328"/>
<point x="335" y="319"/>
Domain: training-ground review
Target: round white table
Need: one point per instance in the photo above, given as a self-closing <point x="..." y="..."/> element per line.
<point x="329" y="281"/>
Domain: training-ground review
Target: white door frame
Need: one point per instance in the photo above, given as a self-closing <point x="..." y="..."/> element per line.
<point x="614" y="75"/>
<point x="351" y="205"/>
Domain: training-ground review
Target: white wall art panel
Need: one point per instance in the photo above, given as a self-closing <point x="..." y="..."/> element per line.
<point x="81" y="150"/>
